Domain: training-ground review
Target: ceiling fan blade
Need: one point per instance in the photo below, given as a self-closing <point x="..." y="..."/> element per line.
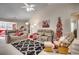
<point x="28" y="7"/>
<point x="26" y="4"/>
<point x="23" y="7"/>
<point x="32" y="9"/>
<point x="32" y="5"/>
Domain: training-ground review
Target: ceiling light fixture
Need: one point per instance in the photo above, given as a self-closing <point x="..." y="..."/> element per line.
<point x="29" y="7"/>
<point x="34" y="24"/>
<point x="27" y="23"/>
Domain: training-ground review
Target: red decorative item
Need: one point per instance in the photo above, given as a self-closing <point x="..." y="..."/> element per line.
<point x="59" y="29"/>
<point x="33" y="36"/>
<point x="2" y="33"/>
<point x="17" y="33"/>
<point x="45" y="24"/>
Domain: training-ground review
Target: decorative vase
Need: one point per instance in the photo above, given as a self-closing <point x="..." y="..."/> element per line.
<point x="48" y="46"/>
<point x="63" y="50"/>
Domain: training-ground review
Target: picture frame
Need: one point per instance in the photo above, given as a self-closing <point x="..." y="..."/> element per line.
<point x="45" y="24"/>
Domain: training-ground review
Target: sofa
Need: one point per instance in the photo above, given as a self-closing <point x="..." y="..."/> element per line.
<point x="45" y="34"/>
<point x="11" y="37"/>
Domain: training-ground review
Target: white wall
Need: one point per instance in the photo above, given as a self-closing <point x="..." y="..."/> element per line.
<point x="52" y="12"/>
<point x="78" y="31"/>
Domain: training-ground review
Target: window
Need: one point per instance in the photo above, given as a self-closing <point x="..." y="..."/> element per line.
<point x="7" y="25"/>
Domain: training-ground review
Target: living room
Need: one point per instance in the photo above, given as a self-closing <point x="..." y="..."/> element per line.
<point x="48" y="25"/>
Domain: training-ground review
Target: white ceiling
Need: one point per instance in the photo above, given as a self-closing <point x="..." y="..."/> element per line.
<point x="14" y="10"/>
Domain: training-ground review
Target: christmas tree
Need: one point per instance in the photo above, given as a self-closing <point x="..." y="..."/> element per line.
<point x="59" y="29"/>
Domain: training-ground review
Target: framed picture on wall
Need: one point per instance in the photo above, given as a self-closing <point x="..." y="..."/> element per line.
<point x="45" y="23"/>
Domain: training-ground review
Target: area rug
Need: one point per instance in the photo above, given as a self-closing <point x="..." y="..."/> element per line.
<point x="29" y="47"/>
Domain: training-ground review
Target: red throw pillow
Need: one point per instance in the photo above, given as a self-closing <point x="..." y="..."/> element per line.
<point x="17" y="34"/>
<point x="35" y="36"/>
<point x="21" y="34"/>
<point x="31" y="36"/>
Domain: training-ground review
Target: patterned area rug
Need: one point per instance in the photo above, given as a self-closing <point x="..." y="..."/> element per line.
<point x="28" y="47"/>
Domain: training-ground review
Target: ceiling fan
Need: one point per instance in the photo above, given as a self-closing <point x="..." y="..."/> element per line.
<point x="28" y="7"/>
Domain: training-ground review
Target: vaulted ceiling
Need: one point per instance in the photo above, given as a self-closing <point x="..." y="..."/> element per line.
<point x="14" y="10"/>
